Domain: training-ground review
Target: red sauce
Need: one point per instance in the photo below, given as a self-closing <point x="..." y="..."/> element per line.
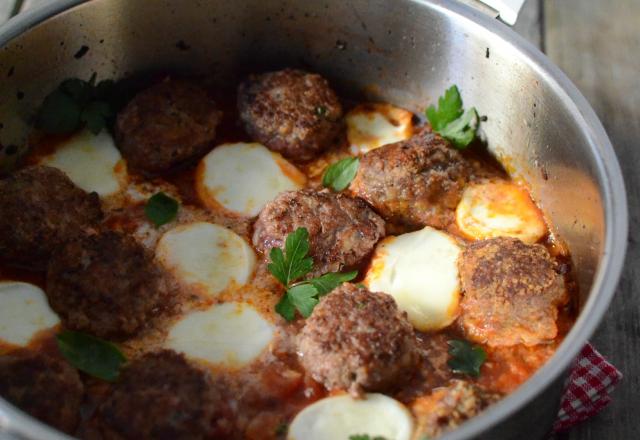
<point x="272" y="390"/>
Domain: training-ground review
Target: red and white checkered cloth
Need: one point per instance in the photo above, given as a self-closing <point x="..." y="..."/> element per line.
<point x="588" y="390"/>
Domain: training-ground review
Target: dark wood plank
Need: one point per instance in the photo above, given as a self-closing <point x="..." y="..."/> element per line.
<point x="597" y="44"/>
<point x="530" y="22"/>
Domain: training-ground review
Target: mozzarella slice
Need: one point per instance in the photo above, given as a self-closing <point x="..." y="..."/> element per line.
<point x="91" y="161"/>
<point x="242" y="178"/>
<point x="206" y="256"/>
<point x="230" y="335"/>
<point x="370" y="126"/>
<point x="341" y="417"/>
<point x="24" y="311"/>
<point x="420" y="270"/>
<point x="499" y="209"/>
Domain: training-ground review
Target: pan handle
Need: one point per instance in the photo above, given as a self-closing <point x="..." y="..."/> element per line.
<point x="506" y="10"/>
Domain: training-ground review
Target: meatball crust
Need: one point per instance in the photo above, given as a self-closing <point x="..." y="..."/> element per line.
<point x="342" y="230"/>
<point x="512" y="292"/>
<point x="160" y="396"/>
<point x="166" y="125"/>
<point x="44" y="386"/>
<point x="357" y="340"/>
<point x="290" y="111"/>
<point x="448" y="407"/>
<point x="106" y="284"/>
<point x="42" y="209"/>
<point x="415" y="183"/>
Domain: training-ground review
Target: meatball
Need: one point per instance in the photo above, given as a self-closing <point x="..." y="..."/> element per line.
<point x="166" y="125"/>
<point x="448" y="407"/>
<point x="44" y="386"/>
<point x="290" y="111"/>
<point x="41" y="209"/>
<point x="342" y="230"/>
<point x="106" y="284"/>
<point x="511" y="292"/>
<point x="414" y="183"/>
<point x="161" y="396"/>
<point x="357" y="340"/>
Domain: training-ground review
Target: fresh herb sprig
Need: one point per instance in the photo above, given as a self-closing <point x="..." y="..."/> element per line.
<point x="465" y="357"/>
<point x="451" y="121"/>
<point x="290" y="265"/>
<point x="94" y="356"/>
<point x="76" y="103"/>
<point x="340" y="174"/>
<point x="161" y="209"/>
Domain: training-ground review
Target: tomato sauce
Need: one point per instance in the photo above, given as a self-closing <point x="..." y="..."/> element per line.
<point x="269" y="392"/>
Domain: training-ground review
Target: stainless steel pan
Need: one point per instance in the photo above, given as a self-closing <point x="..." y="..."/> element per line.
<point x="403" y="51"/>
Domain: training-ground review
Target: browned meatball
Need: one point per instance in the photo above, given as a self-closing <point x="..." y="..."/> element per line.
<point x="107" y="285"/>
<point x="416" y="182"/>
<point x="357" y="340"/>
<point x="166" y="125"/>
<point x="511" y="292"/>
<point x="342" y="230"/>
<point x="46" y="387"/>
<point x="162" y="397"/>
<point x="448" y="407"/>
<point x="40" y="209"/>
<point x="290" y="111"/>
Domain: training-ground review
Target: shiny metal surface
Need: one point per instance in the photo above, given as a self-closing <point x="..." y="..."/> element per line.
<point x="403" y="51"/>
<point x="506" y="10"/>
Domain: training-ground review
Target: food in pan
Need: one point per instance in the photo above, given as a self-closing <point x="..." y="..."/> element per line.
<point x="276" y="262"/>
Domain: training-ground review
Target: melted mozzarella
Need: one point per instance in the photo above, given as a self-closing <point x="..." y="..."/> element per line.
<point x="242" y="178"/>
<point x="420" y="270"/>
<point x="370" y="126"/>
<point x="231" y="334"/>
<point x="340" y="417"/>
<point x="24" y="311"/>
<point x="91" y="161"/>
<point x="499" y="209"/>
<point x="206" y="256"/>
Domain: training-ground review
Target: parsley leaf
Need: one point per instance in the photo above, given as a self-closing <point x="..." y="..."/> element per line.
<point x="78" y="90"/>
<point x="94" y="356"/>
<point x="291" y="265"/>
<point x="285" y="308"/>
<point x="466" y="358"/>
<point x="278" y="265"/>
<point x="451" y="121"/>
<point x="58" y="114"/>
<point x="76" y="103"/>
<point x="296" y="248"/>
<point x="340" y="174"/>
<point x="161" y="209"/>
<point x="96" y="115"/>
<point x="449" y="109"/>
<point x="366" y="437"/>
<point x="329" y="281"/>
<point x="463" y="130"/>
<point x="304" y="297"/>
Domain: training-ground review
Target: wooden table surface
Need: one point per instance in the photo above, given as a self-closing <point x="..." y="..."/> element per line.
<point x="597" y="44"/>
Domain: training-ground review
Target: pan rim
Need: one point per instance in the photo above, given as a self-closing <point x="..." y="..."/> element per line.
<point x="608" y="172"/>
